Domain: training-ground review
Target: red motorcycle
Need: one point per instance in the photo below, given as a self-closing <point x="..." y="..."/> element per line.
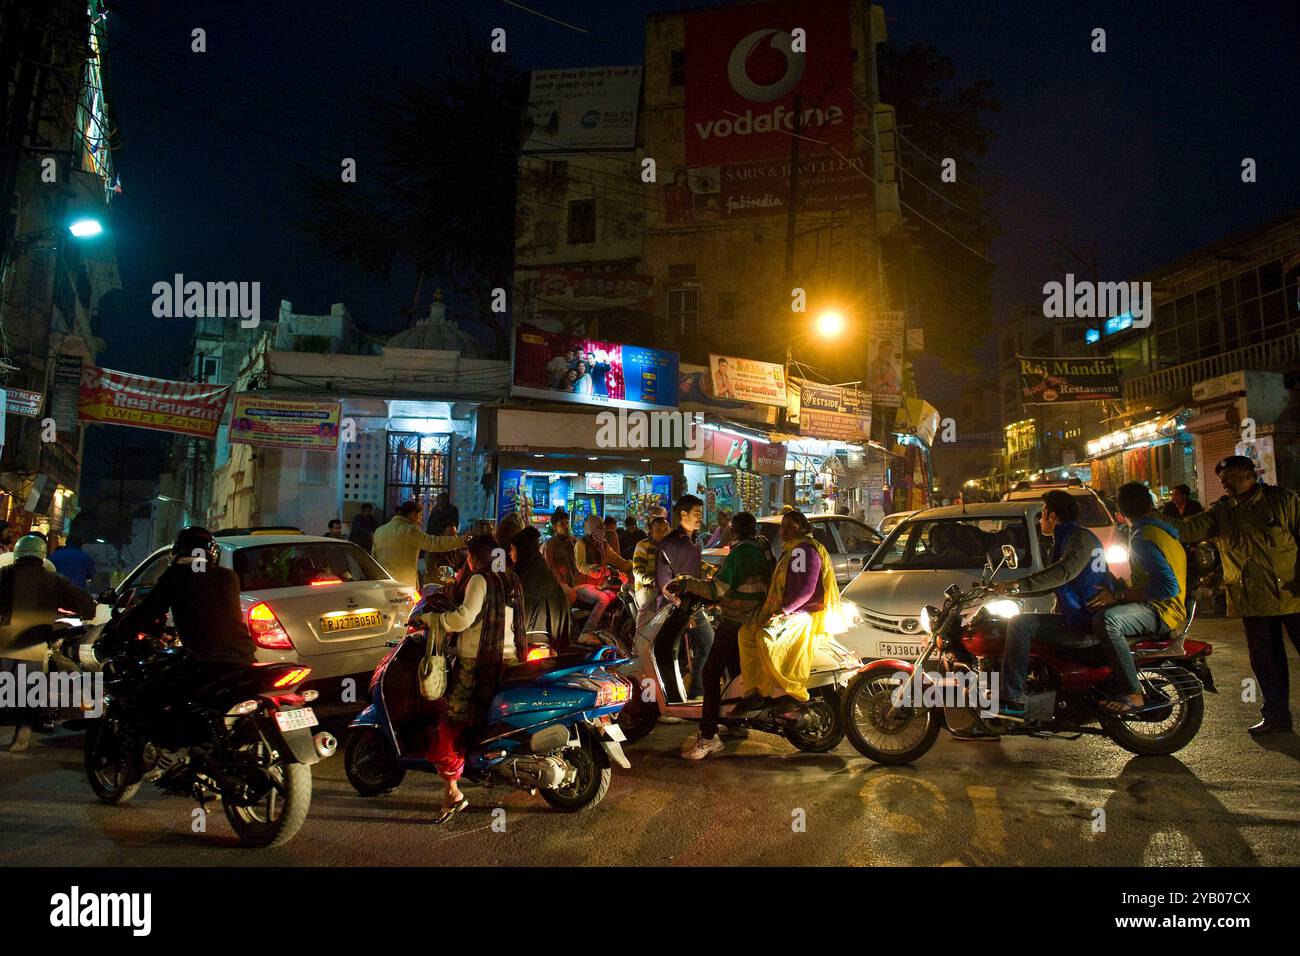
<point x="894" y="709"/>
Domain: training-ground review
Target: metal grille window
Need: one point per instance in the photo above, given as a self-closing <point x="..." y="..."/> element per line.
<point x="676" y="67"/>
<point x="416" y="468"/>
<point x="582" y="221"/>
<point x="315" y="469"/>
<point x="684" y="310"/>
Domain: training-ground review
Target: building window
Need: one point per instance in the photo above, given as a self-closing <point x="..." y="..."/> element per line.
<point x="582" y="221"/>
<point x="684" y="310"/>
<point x="315" y="471"/>
<point x="416" y="469"/>
<point x="676" y="67"/>
<point x="726" y="307"/>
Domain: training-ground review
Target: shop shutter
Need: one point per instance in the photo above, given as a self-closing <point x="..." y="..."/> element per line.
<point x="1212" y="446"/>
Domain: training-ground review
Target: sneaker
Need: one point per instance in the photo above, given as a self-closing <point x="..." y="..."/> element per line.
<point x="1011" y="710"/>
<point x="23" y="736"/>
<point x="697" y="747"/>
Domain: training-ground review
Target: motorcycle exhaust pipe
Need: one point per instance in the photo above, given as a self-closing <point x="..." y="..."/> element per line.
<point x="326" y="743"/>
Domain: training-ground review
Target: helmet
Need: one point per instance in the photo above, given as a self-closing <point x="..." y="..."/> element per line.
<point x="193" y="539"/>
<point x="30" y="546"/>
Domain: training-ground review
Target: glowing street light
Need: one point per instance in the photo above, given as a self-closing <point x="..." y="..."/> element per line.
<point x="85" y="228"/>
<point x="830" y="324"/>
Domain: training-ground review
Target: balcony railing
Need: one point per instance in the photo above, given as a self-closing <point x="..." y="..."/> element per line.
<point x="1277" y="355"/>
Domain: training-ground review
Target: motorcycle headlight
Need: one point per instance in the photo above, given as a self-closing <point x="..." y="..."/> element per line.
<point x="924" y="618"/>
<point x="1116" y="554"/>
<point x="1004" y="608"/>
<point x="850" y="614"/>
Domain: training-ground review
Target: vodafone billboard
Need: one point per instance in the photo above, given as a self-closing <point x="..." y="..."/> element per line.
<point x="742" y="78"/>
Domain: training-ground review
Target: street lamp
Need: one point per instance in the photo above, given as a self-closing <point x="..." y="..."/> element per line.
<point x="85" y="228"/>
<point x="830" y="324"/>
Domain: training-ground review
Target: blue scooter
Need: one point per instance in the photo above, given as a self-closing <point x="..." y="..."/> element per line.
<point x="551" y="726"/>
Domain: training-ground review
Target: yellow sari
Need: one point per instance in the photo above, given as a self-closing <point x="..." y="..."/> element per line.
<point x="776" y="660"/>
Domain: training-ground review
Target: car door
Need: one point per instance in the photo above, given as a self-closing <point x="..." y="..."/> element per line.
<point x="857" y="543"/>
<point x="825" y="536"/>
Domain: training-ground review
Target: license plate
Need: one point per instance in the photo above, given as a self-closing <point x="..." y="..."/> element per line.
<point x="348" y="622"/>
<point x="298" y="719"/>
<point x="909" y="651"/>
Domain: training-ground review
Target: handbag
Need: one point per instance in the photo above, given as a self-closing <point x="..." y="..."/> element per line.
<point x="433" y="670"/>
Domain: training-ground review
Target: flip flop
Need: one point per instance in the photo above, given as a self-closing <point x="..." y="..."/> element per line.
<point x="449" y="812"/>
<point x="1119" y="706"/>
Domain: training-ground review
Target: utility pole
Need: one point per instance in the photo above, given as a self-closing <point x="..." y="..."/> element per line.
<point x="792" y="198"/>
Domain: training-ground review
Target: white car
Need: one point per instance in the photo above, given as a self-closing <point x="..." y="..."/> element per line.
<point x="1093" y="515"/>
<point x="891" y="521"/>
<point x="318" y="601"/>
<point x="847" y="540"/>
<point x="925" y="554"/>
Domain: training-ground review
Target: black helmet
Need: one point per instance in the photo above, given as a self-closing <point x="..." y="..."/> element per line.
<point x="195" y="538"/>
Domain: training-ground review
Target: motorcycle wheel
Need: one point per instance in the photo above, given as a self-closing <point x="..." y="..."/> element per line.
<point x="825" y="730"/>
<point x="277" y="818"/>
<point x="877" y="730"/>
<point x="592" y="783"/>
<point x="372" y="767"/>
<point x="114" y="776"/>
<point x="1166" y="730"/>
<point x="638" y="717"/>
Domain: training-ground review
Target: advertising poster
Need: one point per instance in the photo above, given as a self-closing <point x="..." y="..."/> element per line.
<point x="745" y="74"/>
<point x="1057" y="381"/>
<point x="277" y="423"/>
<point x="745" y="454"/>
<point x="591" y="372"/>
<point x="137" y="401"/>
<point x="65" y="393"/>
<point x="695" y="394"/>
<point x="747" y="380"/>
<point x="585" y="289"/>
<point x="885" y="364"/>
<point x="762" y="188"/>
<point x="582" y="109"/>
<point x="834" y="413"/>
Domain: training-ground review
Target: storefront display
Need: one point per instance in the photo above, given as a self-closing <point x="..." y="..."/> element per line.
<point x="535" y="494"/>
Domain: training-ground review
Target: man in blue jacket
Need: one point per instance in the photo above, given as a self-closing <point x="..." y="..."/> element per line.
<point x="1077" y="572"/>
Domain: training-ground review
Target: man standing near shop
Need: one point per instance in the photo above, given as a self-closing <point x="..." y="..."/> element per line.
<point x="398" y="544"/>
<point x="361" y="532"/>
<point x="1181" y="503"/>
<point x="1257" y="529"/>
<point x="680" y="554"/>
<point x="445" y="517"/>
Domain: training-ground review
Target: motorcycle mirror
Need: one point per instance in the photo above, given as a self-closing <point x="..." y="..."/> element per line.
<point x="446" y="574"/>
<point x="107" y="596"/>
<point x="1010" y="557"/>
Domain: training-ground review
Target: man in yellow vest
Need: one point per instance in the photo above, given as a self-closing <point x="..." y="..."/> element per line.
<point x="1154" y="603"/>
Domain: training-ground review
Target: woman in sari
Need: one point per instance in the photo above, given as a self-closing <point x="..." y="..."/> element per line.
<point x="489" y="622"/>
<point x="802" y="605"/>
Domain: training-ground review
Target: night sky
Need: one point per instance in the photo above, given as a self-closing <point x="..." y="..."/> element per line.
<point x="1136" y="152"/>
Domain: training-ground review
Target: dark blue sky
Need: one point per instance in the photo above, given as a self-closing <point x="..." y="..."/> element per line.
<point x="1136" y="152"/>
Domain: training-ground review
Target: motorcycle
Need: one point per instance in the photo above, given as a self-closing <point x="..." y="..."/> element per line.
<point x="814" y="726"/>
<point x="245" y="739"/>
<point x="619" y="618"/>
<point x="893" y="709"/>
<point x="550" y="724"/>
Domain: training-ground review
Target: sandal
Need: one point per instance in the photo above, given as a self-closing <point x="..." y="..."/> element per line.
<point x="1120" y="706"/>
<point x="449" y="812"/>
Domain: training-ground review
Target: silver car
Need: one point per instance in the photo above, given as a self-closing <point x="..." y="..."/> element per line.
<point x="847" y="540"/>
<point x="925" y="554"/>
<point x="318" y="601"/>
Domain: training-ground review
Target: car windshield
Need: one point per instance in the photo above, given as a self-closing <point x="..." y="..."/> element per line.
<point x="270" y="566"/>
<point x="952" y="544"/>
<point x="1092" y="513"/>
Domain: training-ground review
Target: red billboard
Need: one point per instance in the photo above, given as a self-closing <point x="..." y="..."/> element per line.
<point x="746" y="69"/>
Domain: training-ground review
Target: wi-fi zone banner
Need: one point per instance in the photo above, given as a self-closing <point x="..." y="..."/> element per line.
<point x="136" y="401"/>
<point x="746" y="69"/>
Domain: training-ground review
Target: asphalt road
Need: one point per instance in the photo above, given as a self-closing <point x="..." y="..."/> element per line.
<point x="1226" y="799"/>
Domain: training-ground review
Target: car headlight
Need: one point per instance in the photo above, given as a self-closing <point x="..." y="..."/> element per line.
<point x="1116" y="554"/>
<point x="1004" y="608"/>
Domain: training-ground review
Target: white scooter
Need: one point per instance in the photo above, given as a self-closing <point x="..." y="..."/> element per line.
<point x="659" y="690"/>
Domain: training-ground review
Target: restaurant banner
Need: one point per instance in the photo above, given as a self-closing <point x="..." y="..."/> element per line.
<point x="137" y="401"/>
<point x="284" y="423"/>
<point x="743" y="453"/>
<point x="835" y="413"/>
<point x="747" y="380"/>
<point x="565" y="368"/>
<point x="1058" y="381"/>
<point x="590" y="289"/>
<point x="885" y="368"/>
<point x="22" y="402"/>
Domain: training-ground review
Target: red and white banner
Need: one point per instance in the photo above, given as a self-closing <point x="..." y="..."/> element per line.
<point x="137" y="401"/>
<point x="746" y="70"/>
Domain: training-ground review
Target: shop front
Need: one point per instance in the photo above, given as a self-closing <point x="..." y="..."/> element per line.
<point x="737" y="471"/>
<point x="1245" y="413"/>
<point x="1156" y="451"/>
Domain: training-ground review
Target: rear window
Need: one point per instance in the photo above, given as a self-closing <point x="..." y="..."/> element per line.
<point x="266" y="567"/>
<point x="1092" y="513"/>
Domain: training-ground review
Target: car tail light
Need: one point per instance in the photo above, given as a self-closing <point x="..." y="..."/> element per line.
<point x="295" y="676"/>
<point x="266" y="629"/>
<point x="538" y="652"/>
<point x="612" y="692"/>
<point x="323" y="581"/>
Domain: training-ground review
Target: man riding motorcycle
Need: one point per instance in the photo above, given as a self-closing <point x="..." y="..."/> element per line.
<point x="31" y="595"/>
<point x="1077" y="572"/>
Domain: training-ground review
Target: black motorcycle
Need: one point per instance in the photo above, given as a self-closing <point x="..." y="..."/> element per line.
<point x="244" y="737"/>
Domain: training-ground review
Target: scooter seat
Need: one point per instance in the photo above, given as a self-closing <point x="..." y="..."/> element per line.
<point x="528" y="672"/>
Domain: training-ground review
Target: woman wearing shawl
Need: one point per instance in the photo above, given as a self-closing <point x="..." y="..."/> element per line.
<point x="546" y="606"/>
<point x="489" y="622"/>
<point x="803" y="603"/>
<point x="591" y="554"/>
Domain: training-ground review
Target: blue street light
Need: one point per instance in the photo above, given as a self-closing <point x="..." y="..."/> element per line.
<point x="85" y="228"/>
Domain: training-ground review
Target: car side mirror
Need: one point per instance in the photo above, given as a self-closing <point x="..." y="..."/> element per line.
<point x="1010" y="557"/>
<point x="107" y="596"/>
